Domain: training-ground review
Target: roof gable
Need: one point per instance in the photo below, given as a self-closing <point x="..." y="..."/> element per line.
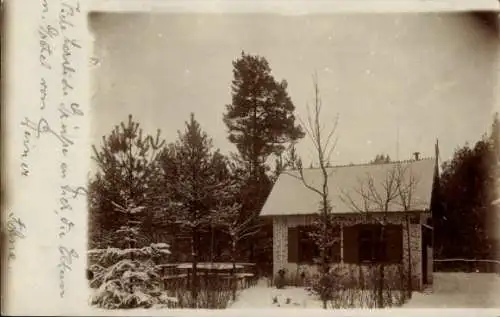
<point x="289" y="196"/>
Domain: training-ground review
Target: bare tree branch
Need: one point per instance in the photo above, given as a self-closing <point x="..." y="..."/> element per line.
<point x="324" y="148"/>
<point x="302" y="179"/>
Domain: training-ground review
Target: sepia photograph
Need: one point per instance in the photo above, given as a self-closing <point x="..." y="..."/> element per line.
<point x="263" y="160"/>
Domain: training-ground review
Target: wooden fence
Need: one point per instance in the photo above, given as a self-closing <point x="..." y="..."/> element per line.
<point x="179" y="274"/>
<point x="467" y="265"/>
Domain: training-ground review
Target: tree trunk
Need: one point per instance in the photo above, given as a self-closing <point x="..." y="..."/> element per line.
<point x="254" y="173"/>
<point x="233" y="270"/>
<point x="324" y="255"/>
<point x="194" y="276"/>
<point x="380" y="282"/>
<point x="380" y="287"/>
<point x="252" y="252"/>
<point x="212" y="238"/>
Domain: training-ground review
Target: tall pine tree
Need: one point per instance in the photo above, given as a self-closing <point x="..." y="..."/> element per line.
<point x="260" y="118"/>
<point x="260" y="122"/>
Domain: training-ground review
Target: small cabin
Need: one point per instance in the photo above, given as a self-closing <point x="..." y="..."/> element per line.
<point x="365" y="197"/>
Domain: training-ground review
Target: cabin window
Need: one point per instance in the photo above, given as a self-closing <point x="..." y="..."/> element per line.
<point x="308" y="250"/>
<point x="372" y="247"/>
<point x="364" y="244"/>
<point x="303" y="249"/>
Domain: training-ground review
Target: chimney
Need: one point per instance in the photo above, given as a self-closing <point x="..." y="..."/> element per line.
<point x="416" y="154"/>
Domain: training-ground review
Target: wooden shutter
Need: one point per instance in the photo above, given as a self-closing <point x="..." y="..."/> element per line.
<point x="293" y="245"/>
<point x="335" y="252"/>
<point x="351" y="244"/>
<point x="307" y="248"/>
<point x="394" y="243"/>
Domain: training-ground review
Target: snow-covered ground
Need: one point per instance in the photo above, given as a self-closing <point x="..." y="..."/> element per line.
<point x="261" y="296"/>
<point x="450" y="290"/>
<point x="456" y="290"/>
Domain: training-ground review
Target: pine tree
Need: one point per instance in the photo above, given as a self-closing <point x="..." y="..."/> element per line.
<point x="260" y="121"/>
<point x="466" y="183"/>
<point x="195" y="177"/>
<point x="128" y="167"/>
<point x="260" y="118"/>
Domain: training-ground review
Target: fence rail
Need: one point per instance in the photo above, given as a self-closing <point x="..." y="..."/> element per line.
<point x="466" y="260"/>
<point x="467" y="265"/>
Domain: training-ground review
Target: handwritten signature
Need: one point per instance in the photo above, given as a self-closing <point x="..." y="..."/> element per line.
<point x="15" y="230"/>
<point x="66" y="257"/>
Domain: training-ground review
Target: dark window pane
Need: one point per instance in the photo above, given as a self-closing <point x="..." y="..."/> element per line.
<point x="373" y="246"/>
<point x="309" y="250"/>
<point x="394" y="243"/>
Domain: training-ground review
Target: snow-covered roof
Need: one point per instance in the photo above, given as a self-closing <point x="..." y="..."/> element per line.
<point x="289" y="196"/>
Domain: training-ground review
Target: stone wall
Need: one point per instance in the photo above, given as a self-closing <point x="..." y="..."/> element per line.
<point x="280" y="247"/>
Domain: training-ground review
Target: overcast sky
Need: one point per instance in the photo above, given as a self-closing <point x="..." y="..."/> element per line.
<point x="430" y="76"/>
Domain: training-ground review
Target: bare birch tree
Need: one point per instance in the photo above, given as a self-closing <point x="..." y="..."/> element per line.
<point x="376" y="200"/>
<point x="406" y="190"/>
<point x="324" y="144"/>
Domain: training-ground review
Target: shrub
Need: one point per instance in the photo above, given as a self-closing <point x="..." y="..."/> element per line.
<point x="358" y="289"/>
<point x="129" y="284"/>
<point x="109" y="256"/>
<point x="325" y="285"/>
<point x="128" y="278"/>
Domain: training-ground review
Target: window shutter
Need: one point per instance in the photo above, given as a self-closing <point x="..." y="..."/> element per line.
<point x="350" y="244"/>
<point x="335" y="253"/>
<point x="293" y="245"/>
<point x="394" y="243"/>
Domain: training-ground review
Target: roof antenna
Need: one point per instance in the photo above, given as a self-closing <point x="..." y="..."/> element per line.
<point x="397" y="142"/>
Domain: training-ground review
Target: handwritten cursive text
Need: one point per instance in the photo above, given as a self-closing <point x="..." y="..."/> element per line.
<point x="66" y="257"/>
<point x="15" y="230"/>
